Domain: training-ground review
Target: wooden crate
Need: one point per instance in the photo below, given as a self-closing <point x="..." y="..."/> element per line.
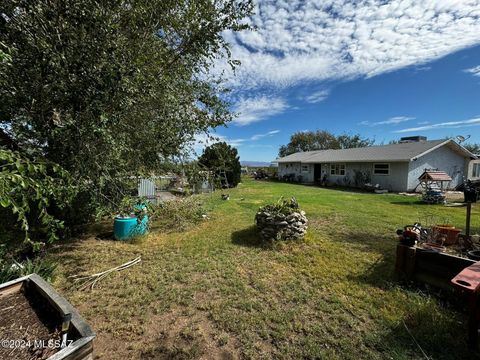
<point x="82" y="347"/>
<point x="429" y="266"/>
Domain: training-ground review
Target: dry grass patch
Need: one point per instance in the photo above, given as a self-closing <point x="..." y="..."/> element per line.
<point x="215" y="291"/>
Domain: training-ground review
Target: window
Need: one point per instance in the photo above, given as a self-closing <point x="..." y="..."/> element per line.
<point x="476" y="170"/>
<point x="305" y="168"/>
<point x="381" y="169"/>
<point x="337" y="169"/>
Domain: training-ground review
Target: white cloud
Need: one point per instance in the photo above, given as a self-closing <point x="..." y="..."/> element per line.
<point x="443" y="125"/>
<point x="251" y="110"/>
<point x="475" y="70"/>
<point x="392" y="121"/>
<point x="299" y="41"/>
<point x="259" y="136"/>
<point x="317" y="96"/>
<point x="203" y="140"/>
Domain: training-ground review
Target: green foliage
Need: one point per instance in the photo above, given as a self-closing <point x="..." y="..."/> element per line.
<point x="5" y="58"/>
<point x="196" y="173"/>
<point x="111" y="89"/>
<point x="223" y="161"/>
<point x="472" y="147"/>
<point x="30" y="189"/>
<point x="282" y="206"/>
<point x="178" y="214"/>
<point x="362" y="177"/>
<point x="12" y="270"/>
<point x="135" y="206"/>
<point x="322" y="140"/>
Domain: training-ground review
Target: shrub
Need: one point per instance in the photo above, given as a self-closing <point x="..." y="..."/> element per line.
<point x="179" y="214"/>
<point x="29" y="190"/>
<point x="223" y="161"/>
<point x="10" y="270"/>
<point x="282" y="206"/>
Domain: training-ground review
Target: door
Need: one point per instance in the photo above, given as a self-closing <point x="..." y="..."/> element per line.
<point x="317" y="173"/>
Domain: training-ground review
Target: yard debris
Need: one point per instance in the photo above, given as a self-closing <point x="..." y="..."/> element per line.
<point x="91" y="280"/>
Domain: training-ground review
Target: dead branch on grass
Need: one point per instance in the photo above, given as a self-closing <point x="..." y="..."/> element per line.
<point x="91" y="280"/>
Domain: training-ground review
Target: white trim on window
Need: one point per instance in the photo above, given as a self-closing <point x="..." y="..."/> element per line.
<point x="337" y="169"/>
<point x="305" y="168"/>
<point x="381" y="169"/>
<point x="476" y="170"/>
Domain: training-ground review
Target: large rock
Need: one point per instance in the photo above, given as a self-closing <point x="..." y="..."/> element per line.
<point x="280" y="226"/>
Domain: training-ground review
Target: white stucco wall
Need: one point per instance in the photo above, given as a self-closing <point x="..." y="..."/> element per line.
<point x="396" y="180"/>
<point x="403" y="176"/>
<point x="296" y="168"/>
<point x="443" y="159"/>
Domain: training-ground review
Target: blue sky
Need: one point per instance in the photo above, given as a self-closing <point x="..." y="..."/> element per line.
<point x="383" y="69"/>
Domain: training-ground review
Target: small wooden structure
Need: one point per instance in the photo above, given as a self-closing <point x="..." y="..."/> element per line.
<point x="434" y="179"/>
<point x="447" y="272"/>
<point x="79" y="331"/>
<point x="429" y="266"/>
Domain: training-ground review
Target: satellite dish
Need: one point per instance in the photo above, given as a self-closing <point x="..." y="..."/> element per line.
<point x="461" y="138"/>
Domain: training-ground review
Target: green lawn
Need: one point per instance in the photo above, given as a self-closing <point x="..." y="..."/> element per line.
<point x="215" y="292"/>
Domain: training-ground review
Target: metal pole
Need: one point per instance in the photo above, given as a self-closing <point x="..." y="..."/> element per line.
<point x="467" y="225"/>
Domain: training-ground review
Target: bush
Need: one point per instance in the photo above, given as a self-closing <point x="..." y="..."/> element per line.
<point x="10" y="270"/>
<point x="223" y="161"/>
<point x="178" y="214"/>
<point x="29" y="190"/>
<point x="282" y="206"/>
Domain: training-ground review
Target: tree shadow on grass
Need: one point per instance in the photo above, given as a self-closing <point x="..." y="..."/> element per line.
<point x="380" y="273"/>
<point x="249" y="237"/>
<point x="437" y="321"/>
<point x="426" y="332"/>
<point x="417" y="202"/>
<point x="367" y="242"/>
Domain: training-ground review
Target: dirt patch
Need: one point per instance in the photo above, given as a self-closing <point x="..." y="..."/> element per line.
<point x="187" y="336"/>
<point x="456" y="196"/>
<point x="175" y="334"/>
<point x="29" y="325"/>
<point x="324" y="222"/>
<point x="163" y="196"/>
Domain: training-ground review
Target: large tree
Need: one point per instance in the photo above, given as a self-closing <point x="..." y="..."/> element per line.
<point x="322" y="140"/>
<point x="472" y="147"/>
<point x="223" y="161"/>
<point x="107" y="89"/>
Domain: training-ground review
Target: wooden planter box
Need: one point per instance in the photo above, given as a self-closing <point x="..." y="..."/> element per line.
<point x="33" y="286"/>
<point x="429" y="266"/>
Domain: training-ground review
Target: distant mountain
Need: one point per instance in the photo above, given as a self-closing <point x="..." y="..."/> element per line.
<point x="255" y="163"/>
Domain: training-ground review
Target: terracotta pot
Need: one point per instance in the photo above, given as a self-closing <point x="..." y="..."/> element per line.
<point x="450" y="233"/>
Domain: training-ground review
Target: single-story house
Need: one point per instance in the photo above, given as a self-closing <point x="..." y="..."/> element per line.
<point x="395" y="167"/>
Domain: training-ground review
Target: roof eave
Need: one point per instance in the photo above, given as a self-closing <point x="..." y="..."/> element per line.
<point x="448" y="141"/>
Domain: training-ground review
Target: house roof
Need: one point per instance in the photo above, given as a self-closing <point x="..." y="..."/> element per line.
<point x="395" y="152"/>
<point x="430" y="175"/>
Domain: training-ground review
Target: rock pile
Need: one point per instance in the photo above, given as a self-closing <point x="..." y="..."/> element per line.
<point x="279" y="226"/>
